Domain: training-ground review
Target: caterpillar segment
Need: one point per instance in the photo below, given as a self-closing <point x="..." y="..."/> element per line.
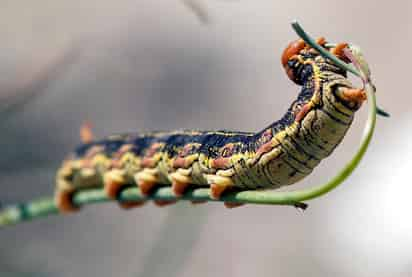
<point x="281" y="154"/>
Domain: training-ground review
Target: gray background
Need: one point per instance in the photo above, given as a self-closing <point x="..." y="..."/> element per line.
<point x="146" y="65"/>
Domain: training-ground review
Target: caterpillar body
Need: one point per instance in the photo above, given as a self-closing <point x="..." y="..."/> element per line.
<point x="281" y="154"/>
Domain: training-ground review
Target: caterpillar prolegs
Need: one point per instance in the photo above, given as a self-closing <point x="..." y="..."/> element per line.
<point x="279" y="155"/>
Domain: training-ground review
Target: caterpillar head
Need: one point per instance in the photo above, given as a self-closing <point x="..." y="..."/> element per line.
<point x="298" y="53"/>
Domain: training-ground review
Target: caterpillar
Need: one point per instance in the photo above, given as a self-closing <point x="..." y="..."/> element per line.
<point x="280" y="154"/>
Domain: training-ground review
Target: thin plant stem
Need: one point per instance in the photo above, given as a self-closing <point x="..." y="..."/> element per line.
<point x="301" y="33"/>
<point x="44" y="207"/>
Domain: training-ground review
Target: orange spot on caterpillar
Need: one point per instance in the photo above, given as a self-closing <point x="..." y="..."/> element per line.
<point x="116" y="163"/>
<point x="220" y="163"/>
<point x="265" y="145"/>
<point x="64" y="202"/>
<point x="321" y="41"/>
<point x="112" y="188"/>
<point x="179" y="162"/>
<point x="354" y="95"/>
<point x="338" y="51"/>
<point x="153" y="149"/>
<point x="228" y="150"/>
<point x="179" y="188"/>
<point x="86" y="132"/>
<point x="291" y="50"/>
<point x="223" y="161"/>
<point x="303" y="111"/>
<point x="146" y="187"/>
<point x="216" y="191"/>
<point x="148" y="160"/>
<point x="264" y="148"/>
<point x="186" y="150"/>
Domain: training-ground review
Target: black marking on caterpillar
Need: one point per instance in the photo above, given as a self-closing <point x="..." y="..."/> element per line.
<point x="281" y="154"/>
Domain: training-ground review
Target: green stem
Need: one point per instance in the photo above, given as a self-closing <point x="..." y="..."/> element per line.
<point x="298" y="29"/>
<point x="44" y="207"/>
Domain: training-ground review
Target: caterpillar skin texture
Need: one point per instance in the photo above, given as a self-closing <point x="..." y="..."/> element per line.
<point x="281" y="154"/>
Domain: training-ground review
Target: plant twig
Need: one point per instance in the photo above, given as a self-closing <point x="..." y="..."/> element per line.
<point x="298" y="29"/>
<point x="46" y="206"/>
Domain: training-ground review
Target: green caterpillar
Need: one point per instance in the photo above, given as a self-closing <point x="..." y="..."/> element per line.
<point x="281" y="154"/>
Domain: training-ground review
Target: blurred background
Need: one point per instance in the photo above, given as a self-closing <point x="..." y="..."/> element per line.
<point x="204" y="64"/>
